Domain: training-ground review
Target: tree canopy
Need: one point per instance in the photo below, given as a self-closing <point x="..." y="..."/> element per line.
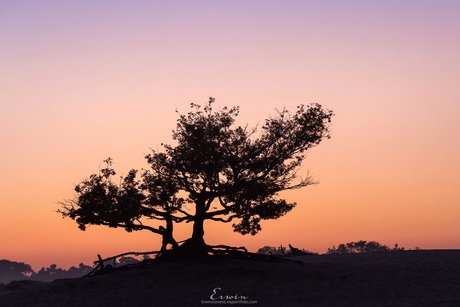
<point x="215" y="170"/>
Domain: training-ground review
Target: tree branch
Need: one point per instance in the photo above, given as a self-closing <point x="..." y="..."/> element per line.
<point x="219" y="219"/>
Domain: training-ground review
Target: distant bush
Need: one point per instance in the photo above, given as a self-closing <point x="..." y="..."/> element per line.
<point x="271" y="250"/>
<point x="362" y="247"/>
<point x="283" y="251"/>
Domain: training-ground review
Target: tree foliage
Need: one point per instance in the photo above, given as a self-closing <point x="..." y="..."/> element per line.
<point x="215" y="171"/>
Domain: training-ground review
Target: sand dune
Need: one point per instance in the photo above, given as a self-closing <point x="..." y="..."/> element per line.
<point x="409" y="278"/>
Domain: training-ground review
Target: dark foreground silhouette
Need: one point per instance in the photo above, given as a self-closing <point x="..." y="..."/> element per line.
<point x="406" y="278"/>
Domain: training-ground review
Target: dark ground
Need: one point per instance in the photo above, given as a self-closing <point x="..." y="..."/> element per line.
<point x="409" y="278"/>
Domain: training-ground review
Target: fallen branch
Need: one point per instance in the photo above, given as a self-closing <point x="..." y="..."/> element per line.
<point x="218" y="249"/>
<point x="101" y="268"/>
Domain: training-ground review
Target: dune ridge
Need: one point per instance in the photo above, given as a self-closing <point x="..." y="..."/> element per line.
<point x="408" y="278"/>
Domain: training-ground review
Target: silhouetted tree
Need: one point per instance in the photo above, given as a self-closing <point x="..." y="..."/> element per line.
<point x="215" y="171"/>
<point x="48" y="274"/>
<point x="12" y="270"/>
<point x="362" y="247"/>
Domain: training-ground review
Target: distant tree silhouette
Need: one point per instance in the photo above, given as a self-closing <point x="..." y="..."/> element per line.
<point x="12" y="270"/>
<point x="48" y="274"/>
<point x="54" y="272"/>
<point x="271" y="250"/>
<point x="362" y="247"/>
<point x="282" y="251"/>
<point x="215" y="171"/>
<point x="74" y="272"/>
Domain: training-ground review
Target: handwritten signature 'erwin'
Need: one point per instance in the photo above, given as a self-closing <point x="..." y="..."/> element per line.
<point x="216" y="296"/>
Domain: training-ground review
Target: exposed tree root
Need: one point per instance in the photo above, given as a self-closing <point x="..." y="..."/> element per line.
<point x="184" y="251"/>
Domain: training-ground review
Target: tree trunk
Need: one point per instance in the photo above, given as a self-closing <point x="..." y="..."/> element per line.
<point x="196" y="242"/>
<point x="168" y="235"/>
<point x="198" y="232"/>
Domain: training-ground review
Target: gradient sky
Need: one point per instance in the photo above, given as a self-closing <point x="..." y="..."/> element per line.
<point x="84" y="80"/>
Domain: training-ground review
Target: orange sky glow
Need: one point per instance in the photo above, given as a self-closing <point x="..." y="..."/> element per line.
<point x="86" y="80"/>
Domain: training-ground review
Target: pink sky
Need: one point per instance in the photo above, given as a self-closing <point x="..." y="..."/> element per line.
<point x="83" y="81"/>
